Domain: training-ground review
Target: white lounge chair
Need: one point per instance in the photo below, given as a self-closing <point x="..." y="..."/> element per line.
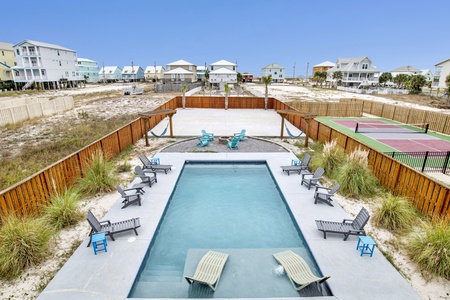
<point x="297" y="269"/>
<point x="209" y="269"/>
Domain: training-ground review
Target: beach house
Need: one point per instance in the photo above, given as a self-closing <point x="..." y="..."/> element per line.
<point x="180" y="71"/>
<point x="7" y="61"/>
<point x="154" y="73"/>
<point x="132" y="73"/>
<point x="441" y="71"/>
<point x="46" y="65"/>
<point x="110" y="74"/>
<point x="276" y="71"/>
<point x="222" y="72"/>
<point x="88" y="69"/>
<point x="356" y="71"/>
<point x="323" y="67"/>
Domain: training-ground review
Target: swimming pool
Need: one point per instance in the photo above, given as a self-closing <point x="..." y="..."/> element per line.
<point x="226" y="205"/>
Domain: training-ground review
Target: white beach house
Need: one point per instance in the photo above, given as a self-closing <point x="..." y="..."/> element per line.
<point x="357" y="71"/>
<point x="276" y="71"/>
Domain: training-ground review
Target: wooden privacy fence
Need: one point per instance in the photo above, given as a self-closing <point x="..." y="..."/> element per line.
<point x="439" y="122"/>
<point x="27" y="197"/>
<point x="331" y="109"/>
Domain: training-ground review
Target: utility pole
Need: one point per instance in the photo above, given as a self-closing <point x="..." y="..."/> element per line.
<point x="294" y="72"/>
<point x="307" y="68"/>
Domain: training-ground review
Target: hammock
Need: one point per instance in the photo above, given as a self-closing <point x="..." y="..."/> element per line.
<point x="163" y="133"/>
<point x="291" y="135"/>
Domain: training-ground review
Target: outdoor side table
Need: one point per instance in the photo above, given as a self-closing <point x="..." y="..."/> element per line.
<point x="366" y="245"/>
<point x="295" y="162"/>
<point x="154" y="161"/>
<point x="99" y="242"/>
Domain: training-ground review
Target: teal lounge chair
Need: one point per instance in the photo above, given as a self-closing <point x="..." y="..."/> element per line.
<point x="233" y="144"/>
<point x="208" y="135"/>
<point x="240" y="135"/>
<point x="202" y="141"/>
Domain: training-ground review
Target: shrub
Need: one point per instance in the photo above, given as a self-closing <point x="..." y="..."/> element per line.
<point x="355" y="176"/>
<point x="99" y="176"/>
<point x="331" y="159"/>
<point x="63" y="210"/>
<point x="395" y="213"/>
<point x="23" y="242"/>
<point x="431" y="248"/>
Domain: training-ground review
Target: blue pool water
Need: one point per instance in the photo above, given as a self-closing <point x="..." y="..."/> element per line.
<point x="217" y="206"/>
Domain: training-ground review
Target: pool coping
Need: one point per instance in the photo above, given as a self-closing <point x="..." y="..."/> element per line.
<point x="105" y="277"/>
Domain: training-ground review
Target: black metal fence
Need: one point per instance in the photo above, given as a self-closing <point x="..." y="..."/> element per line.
<point x="424" y="161"/>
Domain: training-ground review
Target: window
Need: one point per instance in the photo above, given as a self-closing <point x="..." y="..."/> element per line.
<point x="18" y="52"/>
<point x="365" y="66"/>
<point x="43" y="72"/>
<point x="60" y="63"/>
<point x="67" y="74"/>
<point x="3" y="53"/>
<point x="73" y="73"/>
<point x="57" y="51"/>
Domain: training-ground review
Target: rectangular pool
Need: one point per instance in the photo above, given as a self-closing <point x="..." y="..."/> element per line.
<point x="226" y="205"/>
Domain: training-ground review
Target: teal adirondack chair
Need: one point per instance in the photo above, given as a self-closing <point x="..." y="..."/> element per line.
<point x="202" y="141"/>
<point x="233" y="144"/>
<point x="240" y="135"/>
<point x="208" y="135"/>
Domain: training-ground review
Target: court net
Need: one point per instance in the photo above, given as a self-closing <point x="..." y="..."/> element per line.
<point x="363" y="127"/>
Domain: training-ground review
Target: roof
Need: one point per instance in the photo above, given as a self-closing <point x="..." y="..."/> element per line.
<point x="179" y="71"/>
<point x="85" y="59"/>
<point x="223" y="71"/>
<point x="45" y="45"/>
<point x="272" y="66"/>
<point x="109" y="69"/>
<point x="180" y="63"/>
<point x="223" y="63"/>
<point x="6" y="46"/>
<point x="326" y="64"/>
<point x="406" y="69"/>
<point x="349" y="64"/>
<point x="442" y="62"/>
<point x="151" y="69"/>
<point x="131" y="69"/>
<point x="201" y="68"/>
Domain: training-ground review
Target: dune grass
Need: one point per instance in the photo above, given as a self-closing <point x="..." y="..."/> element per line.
<point x="100" y="176"/>
<point x="331" y="158"/>
<point x="430" y="248"/>
<point x="356" y="178"/>
<point x="63" y="210"/>
<point x="395" y="214"/>
<point x="23" y="243"/>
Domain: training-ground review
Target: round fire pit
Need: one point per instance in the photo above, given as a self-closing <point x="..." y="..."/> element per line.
<point x="223" y="140"/>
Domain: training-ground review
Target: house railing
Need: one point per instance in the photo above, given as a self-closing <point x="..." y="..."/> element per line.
<point x="29" y="196"/>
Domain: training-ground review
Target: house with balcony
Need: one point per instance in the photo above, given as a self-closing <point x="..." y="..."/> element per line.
<point x="110" y="74"/>
<point x="154" y="73"/>
<point x="180" y="71"/>
<point x="47" y="65"/>
<point x="222" y="72"/>
<point x="276" y="71"/>
<point x="88" y="69"/>
<point x="441" y="71"/>
<point x="356" y="72"/>
<point x="323" y="67"/>
<point x="201" y="72"/>
<point x="132" y="73"/>
<point x="7" y="61"/>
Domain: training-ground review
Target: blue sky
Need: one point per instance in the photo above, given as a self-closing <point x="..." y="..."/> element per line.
<point x="252" y="33"/>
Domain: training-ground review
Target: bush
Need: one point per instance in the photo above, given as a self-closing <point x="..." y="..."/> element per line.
<point x="395" y="213"/>
<point x="431" y="249"/>
<point x="99" y="176"/>
<point x="23" y="243"/>
<point x="63" y="210"/>
<point x="331" y="159"/>
<point x="355" y="176"/>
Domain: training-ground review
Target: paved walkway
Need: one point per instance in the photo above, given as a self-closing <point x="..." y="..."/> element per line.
<point x="111" y="275"/>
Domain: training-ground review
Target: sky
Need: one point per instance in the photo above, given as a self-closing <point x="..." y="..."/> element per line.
<point x="296" y="34"/>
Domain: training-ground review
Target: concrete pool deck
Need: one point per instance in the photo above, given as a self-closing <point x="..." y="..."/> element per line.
<point x="111" y="275"/>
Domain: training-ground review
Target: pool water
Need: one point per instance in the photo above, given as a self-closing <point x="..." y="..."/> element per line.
<point x="217" y="206"/>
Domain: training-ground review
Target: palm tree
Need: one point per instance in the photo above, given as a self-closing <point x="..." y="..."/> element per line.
<point x="417" y="82"/>
<point x="227" y="92"/>
<point x="447" y="83"/>
<point x="266" y="80"/>
<point x="184" y="89"/>
<point x="338" y="77"/>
